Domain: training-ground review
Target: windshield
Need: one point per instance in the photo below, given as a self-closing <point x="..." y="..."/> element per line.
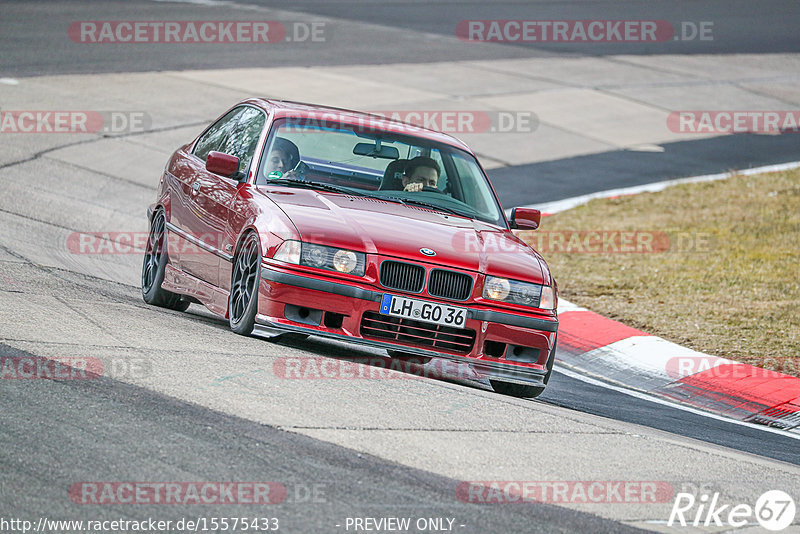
<point x="393" y="166"/>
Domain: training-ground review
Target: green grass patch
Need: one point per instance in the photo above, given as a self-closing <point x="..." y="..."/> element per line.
<point x="728" y="281"/>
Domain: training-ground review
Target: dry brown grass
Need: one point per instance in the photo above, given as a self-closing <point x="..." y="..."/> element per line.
<point x="739" y="299"/>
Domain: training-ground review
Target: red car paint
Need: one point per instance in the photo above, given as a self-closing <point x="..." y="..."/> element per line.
<point x="214" y="212"/>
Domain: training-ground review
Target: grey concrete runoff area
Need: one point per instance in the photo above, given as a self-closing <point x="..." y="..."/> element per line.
<point x="181" y="399"/>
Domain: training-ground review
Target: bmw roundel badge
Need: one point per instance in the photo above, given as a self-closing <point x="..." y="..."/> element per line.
<point x="428" y="251"/>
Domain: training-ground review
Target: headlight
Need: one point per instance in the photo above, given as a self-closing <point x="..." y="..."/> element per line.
<point x="496" y="288"/>
<point x="333" y="259"/>
<point x="345" y="261"/>
<point x="322" y="257"/>
<point x="315" y="257"/>
<point x="524" y="293"/>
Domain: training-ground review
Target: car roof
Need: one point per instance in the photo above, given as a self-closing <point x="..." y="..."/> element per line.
<point x="287" y="108"/>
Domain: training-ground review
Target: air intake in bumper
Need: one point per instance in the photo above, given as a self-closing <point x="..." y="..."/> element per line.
<point x="417" y="333"/>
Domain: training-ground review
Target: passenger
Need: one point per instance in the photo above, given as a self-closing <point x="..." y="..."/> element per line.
<point x="421" y="172"/>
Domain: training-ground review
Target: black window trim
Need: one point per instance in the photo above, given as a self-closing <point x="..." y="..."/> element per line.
<point x="196" y="141"/>
<point x="258" y="145"/>
<point x="501" y="223"/>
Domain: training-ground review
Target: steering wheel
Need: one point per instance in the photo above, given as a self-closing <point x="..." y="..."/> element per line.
<point x="429" y="189"/>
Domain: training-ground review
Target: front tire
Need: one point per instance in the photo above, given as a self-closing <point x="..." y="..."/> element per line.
<point x="154" y="266"/>
<point x="523" y="391"/>
<point x="243" y="298"/>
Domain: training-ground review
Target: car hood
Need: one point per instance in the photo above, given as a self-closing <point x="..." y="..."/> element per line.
<point x="392" y="229"/>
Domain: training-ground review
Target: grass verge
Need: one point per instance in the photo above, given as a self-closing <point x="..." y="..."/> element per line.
<point x="721" y="275"/>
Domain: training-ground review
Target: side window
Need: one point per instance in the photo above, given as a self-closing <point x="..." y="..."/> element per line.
<point x="469" y="175"/>
<point x="217" y="134"/>
<point x="244" y="138"/>
<point x="443" y="184"/>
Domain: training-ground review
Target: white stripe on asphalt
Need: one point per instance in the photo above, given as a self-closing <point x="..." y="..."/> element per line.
<point x="644" y="396"/>
<point x="569" y="203"/>
<point x="655" y="357"/>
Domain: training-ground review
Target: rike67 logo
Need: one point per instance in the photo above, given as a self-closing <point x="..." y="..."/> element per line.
<point x="774" y="510"/>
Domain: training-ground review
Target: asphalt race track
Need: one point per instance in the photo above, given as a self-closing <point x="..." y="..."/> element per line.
<point x="183" y="399"/>
<point x="325" y="483"/>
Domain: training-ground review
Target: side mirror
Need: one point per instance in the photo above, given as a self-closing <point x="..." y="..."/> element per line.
<point x="525" y="218"/>
<point x="223" y="164"/>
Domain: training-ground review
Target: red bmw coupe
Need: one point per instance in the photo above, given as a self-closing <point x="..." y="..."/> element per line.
<point x="288" y="218"/>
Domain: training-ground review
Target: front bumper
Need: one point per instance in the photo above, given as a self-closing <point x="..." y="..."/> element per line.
<point x="349" y="302"/>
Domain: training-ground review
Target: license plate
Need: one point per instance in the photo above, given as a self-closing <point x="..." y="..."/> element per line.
<point x="421" y="310"/>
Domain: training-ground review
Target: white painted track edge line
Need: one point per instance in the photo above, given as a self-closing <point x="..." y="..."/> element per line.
<point x="557" y="206"/>
<point x="644" y="396"/>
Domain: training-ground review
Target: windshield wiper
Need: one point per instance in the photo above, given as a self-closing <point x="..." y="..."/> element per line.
<point x="309" y="184"/>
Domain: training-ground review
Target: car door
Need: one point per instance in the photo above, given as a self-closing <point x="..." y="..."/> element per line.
<point x="212" y="197"/>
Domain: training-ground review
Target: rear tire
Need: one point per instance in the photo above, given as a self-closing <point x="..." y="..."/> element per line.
<point x="523" y="391"/>
<point x="154" y="265"/>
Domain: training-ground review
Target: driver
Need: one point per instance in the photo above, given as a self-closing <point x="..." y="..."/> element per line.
<point x="421" y="172"/>
<point x="283" y="157"/>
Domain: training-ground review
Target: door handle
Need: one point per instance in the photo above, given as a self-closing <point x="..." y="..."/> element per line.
<point x="196" y="186"/>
